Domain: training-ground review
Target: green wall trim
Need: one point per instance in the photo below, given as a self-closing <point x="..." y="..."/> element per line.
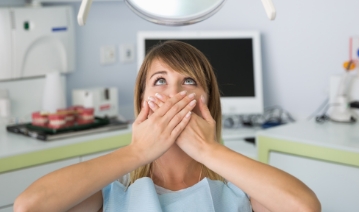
<point x="59" y="153"/>
<point x="267" y="144"/>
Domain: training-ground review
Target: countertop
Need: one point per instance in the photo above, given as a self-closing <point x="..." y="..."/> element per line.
<point x="18" y="151"/>
<point x="328" y="134"/>
<point x="329" y="141"/>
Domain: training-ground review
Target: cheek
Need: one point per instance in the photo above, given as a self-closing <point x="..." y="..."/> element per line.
<point x="148" y="93"/>
<point x="196" y="109"/>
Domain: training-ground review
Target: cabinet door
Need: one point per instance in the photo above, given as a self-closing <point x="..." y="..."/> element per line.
<point x="15" y="182"/>
<point x="336" y="185"/>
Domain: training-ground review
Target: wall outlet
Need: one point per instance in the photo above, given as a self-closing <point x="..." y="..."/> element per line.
<point x="108" y="55"/>
<point x="127" y="53"/>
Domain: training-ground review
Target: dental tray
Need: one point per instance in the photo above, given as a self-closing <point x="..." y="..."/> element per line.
<point x="47" y="134"/>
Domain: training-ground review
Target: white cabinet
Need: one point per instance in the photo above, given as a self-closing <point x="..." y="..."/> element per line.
<point x="14" y="182"/>
<point x="336" y="185"/>
<point x="7" y="209"/>
<point x="92" y="156"/>
<point x="242" y="147"/>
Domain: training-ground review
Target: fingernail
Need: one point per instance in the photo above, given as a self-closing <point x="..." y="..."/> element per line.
<point x="150" y="98"/>
<point x="188" y="114"/>
<point x="193" y="102"/>
<point x="202" y="99"/>
<point x="183" y="93"/>
<point x="158" y="95"/>
<point x="192" y="95"/>
<point x="151" y="104"/>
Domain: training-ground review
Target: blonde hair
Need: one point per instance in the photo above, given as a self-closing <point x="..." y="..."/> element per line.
<point x="187" y="60"/>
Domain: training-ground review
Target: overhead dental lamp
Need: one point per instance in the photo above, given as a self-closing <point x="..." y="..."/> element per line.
<point x="173" y="12"/>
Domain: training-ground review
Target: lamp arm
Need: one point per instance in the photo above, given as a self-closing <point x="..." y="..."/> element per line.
<point x="269" y="8"/>
<point x="83" y="12"/>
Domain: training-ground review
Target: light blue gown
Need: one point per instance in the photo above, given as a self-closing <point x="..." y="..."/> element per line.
<point x="205" y="196"/>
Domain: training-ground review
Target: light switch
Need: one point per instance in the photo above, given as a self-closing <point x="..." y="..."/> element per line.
<point x="108" y="55"/>
<point x="127" y="53"/>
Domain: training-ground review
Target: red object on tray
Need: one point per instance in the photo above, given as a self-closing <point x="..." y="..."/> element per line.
<point x="85" y="115"/>
<point x="40" y="119"/>
<point x="57" y="121"/>
<point x="70" y="116"/>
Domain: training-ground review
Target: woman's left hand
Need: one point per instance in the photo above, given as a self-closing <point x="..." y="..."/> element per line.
<point x="200" y="132"/>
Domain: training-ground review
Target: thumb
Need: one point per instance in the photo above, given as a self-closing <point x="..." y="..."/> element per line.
<point x="204" y="109"/>
<point x="142" y="116"/>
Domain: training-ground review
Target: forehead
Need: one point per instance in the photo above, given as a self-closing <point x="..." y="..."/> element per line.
<point x="158" y="65"/>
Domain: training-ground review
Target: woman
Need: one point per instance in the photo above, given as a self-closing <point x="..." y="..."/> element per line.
<point x="175" y="153"/>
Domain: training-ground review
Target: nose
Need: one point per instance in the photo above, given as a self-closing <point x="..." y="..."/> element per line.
<point x="174" y="89"/>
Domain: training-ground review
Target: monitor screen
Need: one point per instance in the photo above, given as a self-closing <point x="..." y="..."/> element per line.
<point x="232" y="61"/>
<point x="236" y="60"/>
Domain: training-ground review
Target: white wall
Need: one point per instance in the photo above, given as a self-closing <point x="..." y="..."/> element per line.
<point x="109" y="23"/>
<point x="305" y="44"/>
<point x="300" y="49"/>
<point x="11" y="2"/>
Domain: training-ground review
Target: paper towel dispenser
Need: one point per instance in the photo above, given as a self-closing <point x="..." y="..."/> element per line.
<point x="35" y="41"/>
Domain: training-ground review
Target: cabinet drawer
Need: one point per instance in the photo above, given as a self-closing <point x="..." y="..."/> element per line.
<point x="15" y="182"/>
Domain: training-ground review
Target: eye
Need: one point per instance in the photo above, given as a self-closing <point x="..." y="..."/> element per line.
<point x="190" y="81"/>
<point x="160" y="81"/>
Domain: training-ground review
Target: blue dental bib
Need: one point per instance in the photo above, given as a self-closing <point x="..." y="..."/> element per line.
<point x="205" y="196"/>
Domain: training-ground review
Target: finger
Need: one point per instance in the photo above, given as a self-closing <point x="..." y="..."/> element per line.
<point x="178" y="107"/>
<point x="180" y="127"/>
<point x="204" y="109"/>
<point x="142" y="116"/>
<point x="179" y="116"/>
<point x="170" y="103"/>
<point x="158" y="102"/>
<point x="150" y="113"/>
<point x="162" y="97"/>
<point x="153" y="105"/>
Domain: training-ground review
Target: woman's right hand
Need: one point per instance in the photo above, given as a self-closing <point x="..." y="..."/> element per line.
<point x="152" y="136"/>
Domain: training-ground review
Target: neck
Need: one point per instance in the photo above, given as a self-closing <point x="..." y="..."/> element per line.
<point x="175" y="170"/>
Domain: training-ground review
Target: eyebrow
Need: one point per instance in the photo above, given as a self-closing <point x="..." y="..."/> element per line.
<point x="158" y="72"/>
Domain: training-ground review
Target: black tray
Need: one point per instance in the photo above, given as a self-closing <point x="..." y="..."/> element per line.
<point x="47" y="134"/>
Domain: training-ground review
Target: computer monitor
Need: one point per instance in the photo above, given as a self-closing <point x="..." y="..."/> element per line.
<point x="235" y="57"/>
